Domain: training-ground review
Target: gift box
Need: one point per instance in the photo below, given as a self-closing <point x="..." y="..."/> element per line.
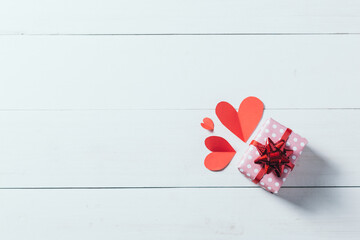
<point x="272" y="155"/>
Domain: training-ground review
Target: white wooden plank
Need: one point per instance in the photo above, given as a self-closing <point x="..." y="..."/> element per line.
<point x="174" y="16"/>
<point x="180" y="214"/>
<point x="134" y="148"/>
<point x="178" y="72"/>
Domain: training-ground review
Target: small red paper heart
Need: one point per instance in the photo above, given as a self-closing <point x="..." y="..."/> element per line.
<point x="208" y="124"/>
<point x="243" y="122"/>
<point x="221" y="155"/>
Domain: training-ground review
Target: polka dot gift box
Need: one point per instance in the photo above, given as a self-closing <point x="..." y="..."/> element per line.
<point x="272" y="155"/>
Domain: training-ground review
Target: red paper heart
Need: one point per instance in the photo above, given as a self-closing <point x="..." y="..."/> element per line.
<point x="250" y="112"/>
<point x="208" y="124"/>
<point x="243" y="122"/>
<point x="221" y="155"/>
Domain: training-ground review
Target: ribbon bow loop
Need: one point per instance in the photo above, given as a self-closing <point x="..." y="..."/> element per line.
<point x="274" y="157"/>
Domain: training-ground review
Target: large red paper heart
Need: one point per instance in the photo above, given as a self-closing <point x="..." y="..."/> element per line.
<point x="221" y="155"/>
<point x="243" y="122"/>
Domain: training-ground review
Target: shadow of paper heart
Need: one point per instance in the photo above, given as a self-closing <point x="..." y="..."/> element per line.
<point x="309" y="185"/>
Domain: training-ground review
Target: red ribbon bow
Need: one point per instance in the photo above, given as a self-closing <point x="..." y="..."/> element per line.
<point x="273" y="156"/>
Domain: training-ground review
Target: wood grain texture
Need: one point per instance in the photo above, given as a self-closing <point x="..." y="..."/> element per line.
<point x="160" y="148"/>
<point x="174" y="16"/>
<point x="180" y="214"/>
<point x="101" y="104"/>
<point x="178" y="72"/>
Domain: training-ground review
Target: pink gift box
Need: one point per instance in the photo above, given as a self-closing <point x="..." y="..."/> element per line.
<point x="273" y="130"/>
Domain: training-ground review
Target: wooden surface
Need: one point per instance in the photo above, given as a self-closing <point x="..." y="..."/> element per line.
<point x="101" y="104"/>
<point x="174" y="16"/>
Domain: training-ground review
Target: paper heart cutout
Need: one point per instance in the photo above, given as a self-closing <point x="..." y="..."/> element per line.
<point x="243" y="122"/>
<point x="208" y="124"/>
<point x="221" y="155"/>
<point x="250" y="112"/>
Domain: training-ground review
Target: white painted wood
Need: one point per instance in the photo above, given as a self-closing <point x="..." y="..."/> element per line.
<point x="180" y="214"/>
<point x="157" y="148"/>
<point x="175" y="16"/>
<point x="178" y="72"/>
<point x="124" y="110"/>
